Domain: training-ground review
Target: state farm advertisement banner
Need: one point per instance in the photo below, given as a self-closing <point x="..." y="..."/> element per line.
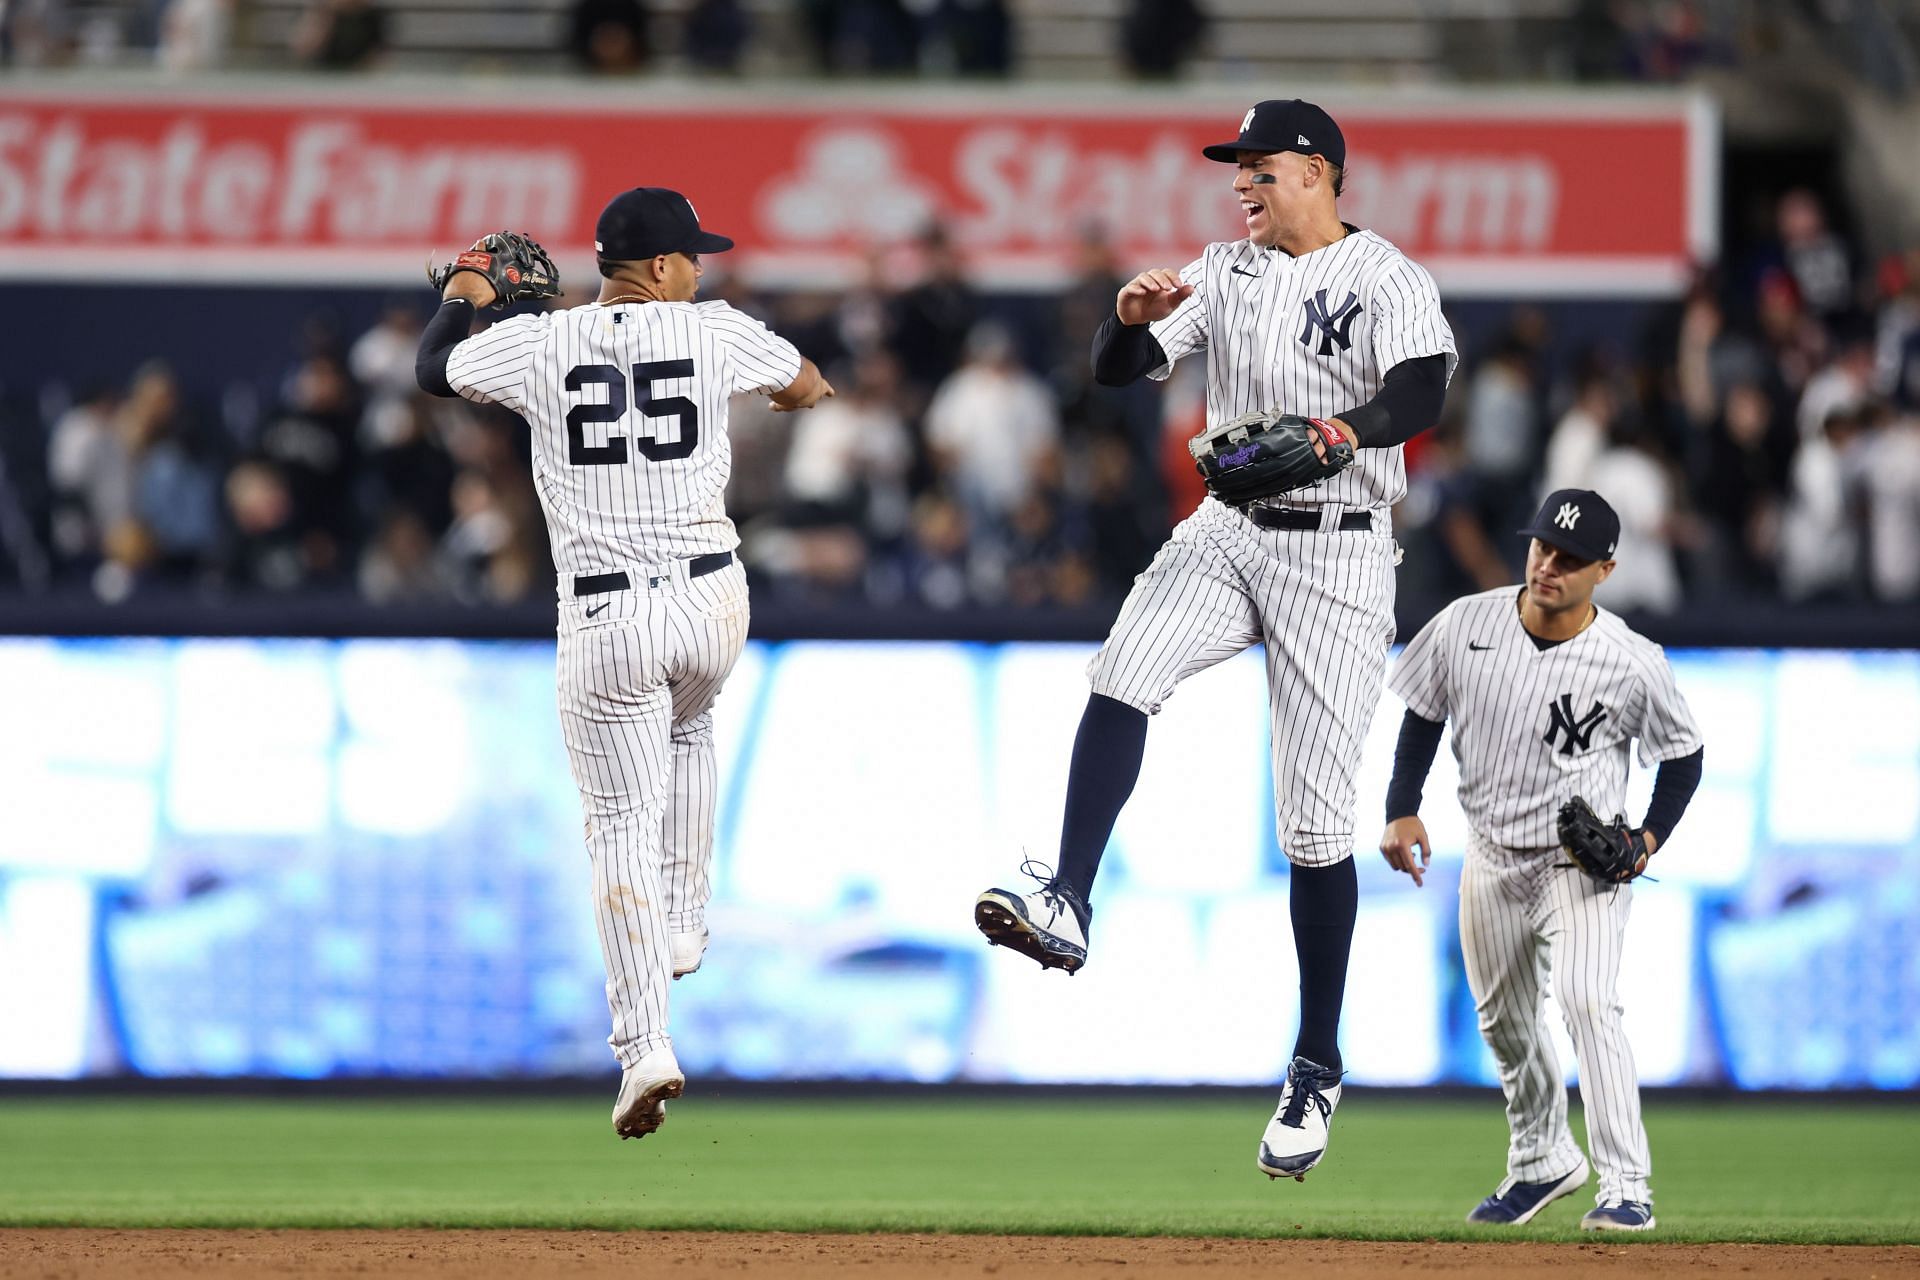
<point x="1539" y="195"/>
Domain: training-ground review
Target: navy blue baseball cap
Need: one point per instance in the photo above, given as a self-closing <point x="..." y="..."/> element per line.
<point x="1579" y="522"/>
<point x="649" y="221"/>
<point x="1284" y="124"/>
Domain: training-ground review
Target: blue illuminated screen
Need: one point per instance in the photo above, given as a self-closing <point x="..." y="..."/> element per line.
<point x="364" y="858"/>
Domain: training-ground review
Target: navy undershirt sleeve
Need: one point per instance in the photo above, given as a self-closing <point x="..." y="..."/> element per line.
<point x="1412" y="758"/>
<point x="1123" y="353"/>
<point x="1408" y="402"/>
<point x="1673" y="786"/>
<point x="447" y="329"/>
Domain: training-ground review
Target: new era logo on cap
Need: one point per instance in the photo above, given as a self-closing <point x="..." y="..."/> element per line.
<point x="1302" y="140"/>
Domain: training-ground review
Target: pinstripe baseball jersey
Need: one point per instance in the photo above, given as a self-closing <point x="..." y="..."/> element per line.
<point x="1313" y="335"/>
<point x="628" y="409"/>
<point x="1534" y="727"/>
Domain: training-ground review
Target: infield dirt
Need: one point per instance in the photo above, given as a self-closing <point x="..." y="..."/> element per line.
<point x="31" y="1254"/>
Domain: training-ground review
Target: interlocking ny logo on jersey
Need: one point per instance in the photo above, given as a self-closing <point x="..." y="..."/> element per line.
<point x="1579" y="733"/>
<point x="1334" y="325"/>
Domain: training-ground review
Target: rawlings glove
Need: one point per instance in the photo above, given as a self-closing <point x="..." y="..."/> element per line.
<point x="1610" y="852"/>
<point x="516" y="266"/>
<point x="1258" y="455"/>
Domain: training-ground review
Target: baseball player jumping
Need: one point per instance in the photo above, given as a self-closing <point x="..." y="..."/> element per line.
<point x="1326" y="351"/>
<point x="627" y="402"/>
<point x="1547" y="693"/>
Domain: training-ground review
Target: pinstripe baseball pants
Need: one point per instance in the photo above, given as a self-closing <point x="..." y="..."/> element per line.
<point x="1322" y="602"/>
<point x="1525" y="920"/>
<point x="636" y="687"/>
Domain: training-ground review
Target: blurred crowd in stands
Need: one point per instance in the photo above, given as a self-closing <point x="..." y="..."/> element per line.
<point x="613" y="37"/>
<point x="1639" y="40"/>
<point x="1761" y="443"/>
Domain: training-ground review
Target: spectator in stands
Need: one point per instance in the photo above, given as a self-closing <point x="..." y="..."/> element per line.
<point x="1502" y="432"/>
<point x="314" y="441"/>
<point x="1636" y="482"/>
<point x="1891" y="464"/>
<point x="1125" y="514"/>
<point x="931" y="320"/>
<point x="477" y="553"/>
<point x="610" y="36"/>
<point x="1844" y="383"/>
<point x="89" y="474"/>
<point x="967" y="37"/>
<point x="1814" y="257"/>
<point x="264" y="549"/>
<point x="1449" y="553"/>
<point x="851" y="461"/>
<point x="994" y="432"/>
<point x="400" y="567"/>
<point x="36" y="33"/>
<point x="1897" y="344"/>
<point x="1581" y="435"/>
<point x="1157" y="37"/>
<point x="381" y="359"/>
<point x="140" y="501"/>
<point x="1742" y="487"/>
<point x="195" y="35"/>
<point x="861" y="35"/>
<point x="1819" y="530"/>
<point x="341" y="35"/>
<point x="936" y="562"/>
<point x="714" y="34"/>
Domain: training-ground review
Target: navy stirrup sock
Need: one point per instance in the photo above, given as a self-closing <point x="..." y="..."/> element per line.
<point x="1323" y="902"/>
<point x="1106" y="763"/>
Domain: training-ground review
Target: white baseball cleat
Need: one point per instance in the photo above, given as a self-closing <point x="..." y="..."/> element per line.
<point x="1296" y="1137"/>
<point x="1047" y="925"/>
<point x="644" y="1089"/>
<point x="689" y="949"/>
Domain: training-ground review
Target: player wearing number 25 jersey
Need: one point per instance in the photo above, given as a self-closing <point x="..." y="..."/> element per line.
<point x="627" y="402"/>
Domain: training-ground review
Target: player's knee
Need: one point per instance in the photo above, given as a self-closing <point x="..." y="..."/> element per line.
<point x="694" y="729"/>
<point x="1584" y="1004"/>
<point x="1317" y="848"/>
<point x="1107" y="687"/>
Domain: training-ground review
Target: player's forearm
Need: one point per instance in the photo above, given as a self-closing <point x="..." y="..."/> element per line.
<point x="1409" y="401"/>
<point x="1673" y="788"/>
<point x="447" y="329"/>
<point x="1124" y="353"/>
<point x="806" y="389"/>
<point x="1412" y="761"/>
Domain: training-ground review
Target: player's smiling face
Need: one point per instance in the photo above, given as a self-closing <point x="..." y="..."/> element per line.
<point x="1258" y="199"/>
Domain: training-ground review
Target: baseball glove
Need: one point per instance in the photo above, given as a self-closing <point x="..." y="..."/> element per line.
<point x="515" y="265"/>
<point x="1610" y="852"/>
<point x="1258" y="455"/>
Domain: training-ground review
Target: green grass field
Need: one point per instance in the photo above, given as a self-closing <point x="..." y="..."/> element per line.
<point x="1747" y="1171"/>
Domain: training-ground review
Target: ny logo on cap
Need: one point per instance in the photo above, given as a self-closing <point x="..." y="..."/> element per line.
<point x="1568" y="517"/>
<point x="1246" y="121"/>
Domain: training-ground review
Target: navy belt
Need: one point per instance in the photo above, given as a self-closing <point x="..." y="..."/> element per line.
<point x="1301" y="519"/>
<point x="593" y="584"/>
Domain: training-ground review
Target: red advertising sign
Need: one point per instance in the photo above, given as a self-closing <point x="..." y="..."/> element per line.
<point x="1543" y="195"/>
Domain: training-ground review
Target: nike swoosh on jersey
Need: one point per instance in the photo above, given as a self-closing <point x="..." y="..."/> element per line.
<point x="1239" y="270"/>
<point x="600" y="608"/>
<point x="1478" y="648"/>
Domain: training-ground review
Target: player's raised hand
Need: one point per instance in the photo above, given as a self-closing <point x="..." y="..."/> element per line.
<point x="1151" y="295"/>
<point x="1403" y="836"/>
